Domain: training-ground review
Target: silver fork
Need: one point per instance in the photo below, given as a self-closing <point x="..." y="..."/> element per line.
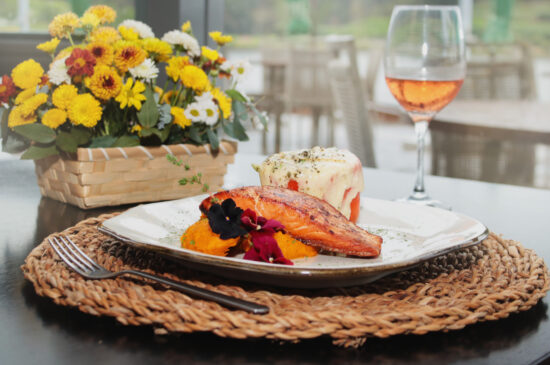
<point x="77" y="260"/>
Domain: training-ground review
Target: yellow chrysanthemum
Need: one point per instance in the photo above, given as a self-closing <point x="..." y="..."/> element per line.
<point x="63" y="25"/>
<point x="29" y="106"/>
<point x="103" y="52"/>
<point x="175" y="67"/>
<point x="85" y="110"/>
<point x="223" y="100"/>
<point x="107" y="35"/>
<point x="17" y="118"/>
<point x="63" y="96"/>
<point x="53" y="118"/>
<point x="90" y="20"/>
<point x="194" y="78"/>
<point x="27" y="74"/>
<point x="158" y="50"/>
<point x="179" y="118"/>
<point x="24" y="95"/>
<point x="219" y="38"/>
<point x="186" y="27"/>
<point x="105" y="83"/>
<point x="131" y="94"/>
<point x="104" y="13"/>
<point x="49" y="46"/>
<point x="167" y="97"/>
<point x="210" y="54"/>
<point x="136" y="129"/>
<point x="128" y="55"/>
<point x="128" y="33"/>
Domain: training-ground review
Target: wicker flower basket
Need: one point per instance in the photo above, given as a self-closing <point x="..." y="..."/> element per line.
<point x="101" y="177"/>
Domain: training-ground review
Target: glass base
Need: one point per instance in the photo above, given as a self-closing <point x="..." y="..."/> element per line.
<point x="424" y="199"/>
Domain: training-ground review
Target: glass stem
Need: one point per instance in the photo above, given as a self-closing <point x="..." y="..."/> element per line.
<point x="420" y="129"/>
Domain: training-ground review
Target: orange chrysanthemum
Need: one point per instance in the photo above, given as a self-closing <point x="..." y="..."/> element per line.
<point x="128" y="55"/>
<point x="105" y="83"/>
<point x="102" y="52"/>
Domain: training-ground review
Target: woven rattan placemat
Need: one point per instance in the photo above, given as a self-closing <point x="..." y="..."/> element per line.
<point x="481" y="283"/>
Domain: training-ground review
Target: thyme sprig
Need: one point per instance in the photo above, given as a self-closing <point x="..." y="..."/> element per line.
<point x="195" y="179"/>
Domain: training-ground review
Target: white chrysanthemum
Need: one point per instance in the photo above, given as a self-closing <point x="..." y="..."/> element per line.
<point x="238" y="69"/>
<point x="204" y="98"/>
<point x="177" y="37"/>
<point x="194" y="112"/>
<point x="145" y="70"/>
<point x="211" y="112"/>
<point x="141" y="28"/>
<point x="58" y="72"/>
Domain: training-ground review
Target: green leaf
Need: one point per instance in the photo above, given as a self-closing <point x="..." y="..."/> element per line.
<point x="213" y="138"/>
<point x="4" y="126"/>
<point x="126" y="141"/>
<point x="165" y="116"/>
<point x="165" y="133"/>
<point x="235" y="95"/>
<point x="194" y="134"/>
<point x="103" y="141"/>
<point x="36" y="132"/>
<point x="147" y="132"/>
<point x="81" y="135"/>
<point x="149" y="113"/>
<point x="239" y="131"/>
<point x="66" y="142"/>
<point x="36" y="153"/>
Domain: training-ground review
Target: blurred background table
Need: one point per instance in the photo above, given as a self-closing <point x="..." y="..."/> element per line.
<point x="35" y="330"/>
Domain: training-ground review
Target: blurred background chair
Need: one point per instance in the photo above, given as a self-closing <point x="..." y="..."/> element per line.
<point x="349" y="101"/>
<point x="495" y="71"/>
<point x="307" y="88"/>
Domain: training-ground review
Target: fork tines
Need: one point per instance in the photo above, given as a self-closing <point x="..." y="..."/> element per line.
<point x="73" y="256"/>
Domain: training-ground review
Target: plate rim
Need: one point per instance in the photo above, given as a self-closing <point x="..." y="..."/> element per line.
<point x="286" y="270"/>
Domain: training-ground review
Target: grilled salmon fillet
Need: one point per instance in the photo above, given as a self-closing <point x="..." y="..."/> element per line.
<point x="305" y="217"/>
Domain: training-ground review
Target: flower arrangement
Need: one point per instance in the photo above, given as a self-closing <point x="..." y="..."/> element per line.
<point x="101" y="91"/>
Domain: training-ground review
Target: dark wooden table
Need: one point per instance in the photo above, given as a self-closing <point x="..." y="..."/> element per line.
<point x="33" y="330"/>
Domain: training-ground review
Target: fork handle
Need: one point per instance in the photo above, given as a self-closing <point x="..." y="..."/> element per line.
<point x="206" y="294"/>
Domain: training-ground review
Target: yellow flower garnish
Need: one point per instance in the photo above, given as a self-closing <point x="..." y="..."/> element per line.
<point x="210" y="54"/>
<point x="128" y="33"/>
<point x="179" y="118"/>
<point x="175" y="67"/>
<point x="17" y="118"/>
<point x="27" y="74"/>
<point x="49" y="46"/>
<point x="108" y="35"/>
<point x="104" y="13"/>
<point x="159" y="50"/>
<point x="90" y="20"/>
<point x="186" y="27"/>
<point x="53" y="118"/>
<point x="224" y="102"/>
<point x="105" y="83"/>
<point x="63" y="96"/>
<point x="128" y="55"/>
<point x="24" y="95"/>
<point x="63" y="25"/>
<point x="219" y="38"/>
<point x="103" y="52"/>
<point x="85" y="110"/>
<point x="194" y="78"/>
<point x="131" y="96"/>
<point x="29" y="106"/>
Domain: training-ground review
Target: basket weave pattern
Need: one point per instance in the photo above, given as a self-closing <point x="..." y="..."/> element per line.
<point x="114" y="176"/>
<point x="486" y="282"/>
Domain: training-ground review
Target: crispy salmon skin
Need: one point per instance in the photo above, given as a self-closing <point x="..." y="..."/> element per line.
<point x="305" y="217"/>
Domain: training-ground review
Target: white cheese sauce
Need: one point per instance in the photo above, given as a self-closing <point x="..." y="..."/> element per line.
<point x="331" y="174"/>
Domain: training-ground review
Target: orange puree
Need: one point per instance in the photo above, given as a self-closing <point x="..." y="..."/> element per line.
<point x="199" y="237"/>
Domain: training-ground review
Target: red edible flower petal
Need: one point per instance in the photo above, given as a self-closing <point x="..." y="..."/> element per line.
<point x="265" y="249"/>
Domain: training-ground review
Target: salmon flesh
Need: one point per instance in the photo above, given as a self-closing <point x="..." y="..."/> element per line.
<point x="305" y="217"/>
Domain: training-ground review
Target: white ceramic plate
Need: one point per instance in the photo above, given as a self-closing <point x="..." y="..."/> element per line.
<point x="412" y="234"/>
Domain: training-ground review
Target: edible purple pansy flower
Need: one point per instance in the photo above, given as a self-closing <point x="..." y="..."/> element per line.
<point x="265" y="248"/>
<point x="225" y="219"/>
<point x="254" y="223"/>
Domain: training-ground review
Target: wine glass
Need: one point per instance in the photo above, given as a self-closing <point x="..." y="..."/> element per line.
<point x="424" y="67"/>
